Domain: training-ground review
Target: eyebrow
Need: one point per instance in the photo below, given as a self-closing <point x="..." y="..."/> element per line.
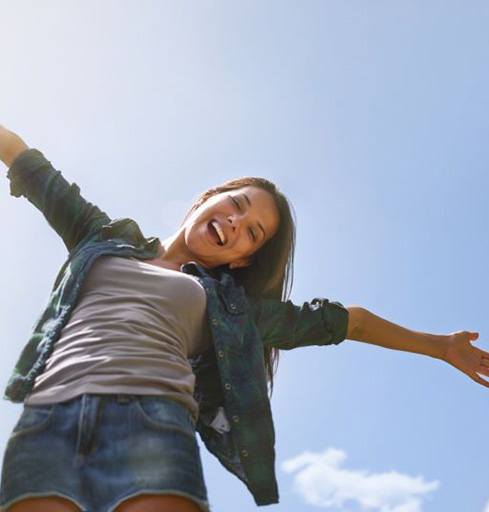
<point x="258" y="222"/>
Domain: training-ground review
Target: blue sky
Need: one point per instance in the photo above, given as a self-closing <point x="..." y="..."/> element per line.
<point x="372" y="118"/>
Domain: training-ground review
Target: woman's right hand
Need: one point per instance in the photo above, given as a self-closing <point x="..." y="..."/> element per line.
<point x="11" y="145"/>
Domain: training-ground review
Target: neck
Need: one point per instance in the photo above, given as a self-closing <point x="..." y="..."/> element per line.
<point x="173" y="251"/>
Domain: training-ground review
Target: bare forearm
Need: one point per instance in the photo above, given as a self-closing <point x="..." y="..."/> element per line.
<point x="378" y="331"/>
<point x="11" y="145"/>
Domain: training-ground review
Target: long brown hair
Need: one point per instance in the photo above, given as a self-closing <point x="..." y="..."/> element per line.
<point x="271" y="273"/>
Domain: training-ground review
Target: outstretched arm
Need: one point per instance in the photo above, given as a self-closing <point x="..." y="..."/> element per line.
<point x="31" y="175"/>
<point x="455" y="348"/>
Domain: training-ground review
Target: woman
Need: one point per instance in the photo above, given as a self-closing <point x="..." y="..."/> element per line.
<point x="145" y="342"/>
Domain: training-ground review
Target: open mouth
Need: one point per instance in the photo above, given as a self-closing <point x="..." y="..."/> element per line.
<point x="216" y="233"/>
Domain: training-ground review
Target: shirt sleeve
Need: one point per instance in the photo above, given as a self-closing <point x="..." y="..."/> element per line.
<point x="72" y="217"/>
<point x="286" y="325"/>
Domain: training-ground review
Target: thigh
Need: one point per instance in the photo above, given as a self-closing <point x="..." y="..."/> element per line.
<point x="53" y="504"/>
<point x="155" y="503"/>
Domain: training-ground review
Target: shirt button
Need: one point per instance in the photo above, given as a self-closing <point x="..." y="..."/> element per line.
<point x="244" y="453"/>
<point x="235" y="419"/>
<point x="233" y="305"/>
<point x="227" y="385"/>
<point x="220" y="353"/>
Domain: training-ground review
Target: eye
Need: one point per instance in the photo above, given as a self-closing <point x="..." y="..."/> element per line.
<point x="235" y="202"/>
<point x="252" y="233"/>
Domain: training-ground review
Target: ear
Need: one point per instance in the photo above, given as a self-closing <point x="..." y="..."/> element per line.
<point x="241" y="262"/>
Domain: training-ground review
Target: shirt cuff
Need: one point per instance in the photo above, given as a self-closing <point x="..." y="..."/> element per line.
<point x="22" y="168"/>
<point x="336" y="320"/>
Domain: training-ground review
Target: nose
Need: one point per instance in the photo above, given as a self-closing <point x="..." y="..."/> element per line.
<point x="234" y="221"/>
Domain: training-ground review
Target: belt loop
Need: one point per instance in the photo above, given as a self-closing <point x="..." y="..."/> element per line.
<point x="87" y="423"/>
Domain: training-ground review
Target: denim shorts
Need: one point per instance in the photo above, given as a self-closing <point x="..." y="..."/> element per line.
<point x="99" y="450"/>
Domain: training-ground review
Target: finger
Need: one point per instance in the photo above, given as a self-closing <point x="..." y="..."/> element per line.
<point x="483" y="369"/>
<point x="480" y="380"/>
<point x="482" y="353"/>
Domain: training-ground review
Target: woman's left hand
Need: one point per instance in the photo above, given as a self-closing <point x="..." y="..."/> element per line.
<point x="467" y="358"/>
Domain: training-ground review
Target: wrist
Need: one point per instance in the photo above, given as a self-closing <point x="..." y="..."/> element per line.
<point x="443" y="342"/>
<point x="11" y="145"/>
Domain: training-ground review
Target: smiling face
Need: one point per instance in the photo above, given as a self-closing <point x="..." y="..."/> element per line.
<point x="229" y="227"/>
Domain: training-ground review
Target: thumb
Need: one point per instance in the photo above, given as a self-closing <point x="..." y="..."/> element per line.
<point x="474" y="335"/>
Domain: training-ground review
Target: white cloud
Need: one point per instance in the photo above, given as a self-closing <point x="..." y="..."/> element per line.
<point x="486" y="508"/>
<point x="323" y="483"/>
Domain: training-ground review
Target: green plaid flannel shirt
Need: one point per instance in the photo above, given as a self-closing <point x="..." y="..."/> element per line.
<point x="235" y="421"/>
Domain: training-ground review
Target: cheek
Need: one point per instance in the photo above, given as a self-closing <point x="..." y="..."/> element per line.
<point x="246" y="247"/>
<point x="192" y="235"/>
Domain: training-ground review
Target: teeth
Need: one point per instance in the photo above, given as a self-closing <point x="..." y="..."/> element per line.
<point x="219" y="232"/>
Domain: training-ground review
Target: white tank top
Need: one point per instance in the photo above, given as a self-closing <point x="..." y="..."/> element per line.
<point x="131" y="331"/>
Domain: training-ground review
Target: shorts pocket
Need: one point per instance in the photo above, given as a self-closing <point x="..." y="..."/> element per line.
<point x="34" y="418"/>
<point x="165" y="415"/>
